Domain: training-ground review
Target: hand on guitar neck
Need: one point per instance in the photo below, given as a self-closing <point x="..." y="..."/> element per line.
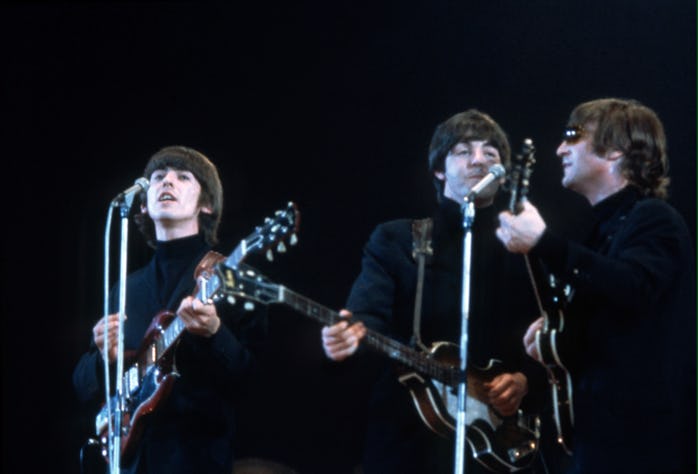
<point x="341" y="340"/>
<point x="521" y="232"/>
<point x="529" y="339"/>
<point x="200" y="319"/>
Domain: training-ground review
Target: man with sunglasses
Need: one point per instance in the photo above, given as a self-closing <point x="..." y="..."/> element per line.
<point x="629" y="336"/>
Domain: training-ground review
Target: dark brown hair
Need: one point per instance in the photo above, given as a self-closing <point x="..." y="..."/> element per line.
<point x="462" y="128"/>
<point x="634" y="130"/>
<point x="205" y="172"/>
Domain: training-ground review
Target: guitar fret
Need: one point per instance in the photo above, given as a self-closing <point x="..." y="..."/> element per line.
<point x="155" y="350"/>
<point x="174" y="330"/>
<point x="316" y="311"/>
<point x="408" y="356"/>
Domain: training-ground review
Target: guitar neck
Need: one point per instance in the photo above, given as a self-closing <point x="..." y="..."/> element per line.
<point x="169" y="336"/>
<point x="206" y="289"/>
<point x="237" y="256"/>
<point x="393" y="349"/>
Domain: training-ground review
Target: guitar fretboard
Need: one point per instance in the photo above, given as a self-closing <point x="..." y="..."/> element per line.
<point x="210" y="287"/>
<point x="395" y="350"/>
<point x="170" y="335"/>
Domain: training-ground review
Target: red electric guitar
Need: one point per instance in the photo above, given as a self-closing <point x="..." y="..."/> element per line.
<point x="152" y="373"/>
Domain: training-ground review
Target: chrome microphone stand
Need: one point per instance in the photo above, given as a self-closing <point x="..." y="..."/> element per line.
<point x="123" y="202"/>
<point x="468" y="219"/>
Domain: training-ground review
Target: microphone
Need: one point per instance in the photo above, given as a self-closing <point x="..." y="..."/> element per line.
<point x="127" y="196"/>
<point x="495" y="172"/>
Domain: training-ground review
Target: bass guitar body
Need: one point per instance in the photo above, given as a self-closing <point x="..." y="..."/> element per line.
<point x="502" y="444"/>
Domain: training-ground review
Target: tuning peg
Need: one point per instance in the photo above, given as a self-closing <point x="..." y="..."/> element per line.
<point x="231" y="299"/>
<point x="270" y="255"/>
<point x="294" y="239"/>
<point x="249" y="306"/>
<point x="281" y="248"/>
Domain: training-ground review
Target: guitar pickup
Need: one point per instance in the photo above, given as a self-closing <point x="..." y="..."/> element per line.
<point x="132" y="379"/>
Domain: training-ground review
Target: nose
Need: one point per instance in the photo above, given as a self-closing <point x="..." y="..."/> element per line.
<point x="479" y="156"/>
<point x="562" y="150"/>
<point x="169" y="178"/>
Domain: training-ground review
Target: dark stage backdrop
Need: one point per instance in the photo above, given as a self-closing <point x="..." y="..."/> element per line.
<point x="329" y="104"/>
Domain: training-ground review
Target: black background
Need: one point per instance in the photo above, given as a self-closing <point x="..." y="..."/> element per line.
<point x="329" y="104"/>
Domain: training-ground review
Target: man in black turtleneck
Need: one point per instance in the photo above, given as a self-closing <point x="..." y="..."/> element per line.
<point x="192" y="428"/>
<point x="462" y="151"/>
<point x="630" y="327"/>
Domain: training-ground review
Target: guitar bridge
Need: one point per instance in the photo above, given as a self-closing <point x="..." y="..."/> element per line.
<point x="519" y="452"/>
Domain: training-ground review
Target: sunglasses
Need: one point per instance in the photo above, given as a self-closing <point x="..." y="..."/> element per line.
<point x="573" y="134"/>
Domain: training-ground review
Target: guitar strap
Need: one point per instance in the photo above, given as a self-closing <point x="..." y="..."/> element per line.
<point x="421" y="252"/>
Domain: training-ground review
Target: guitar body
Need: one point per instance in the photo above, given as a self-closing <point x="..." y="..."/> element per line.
<point x="433" y="399"/>
<point x="559" y="379"/>
<point x="143" y="397"/>
<point x="500" y="444"/>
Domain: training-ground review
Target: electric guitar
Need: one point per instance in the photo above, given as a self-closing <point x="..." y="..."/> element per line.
<point x="503" y="444"/>
<point x="150" y="378"/>
<point x="551" y="297"/>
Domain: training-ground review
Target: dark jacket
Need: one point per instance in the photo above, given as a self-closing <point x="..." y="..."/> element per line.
<point x="630" y="343"/>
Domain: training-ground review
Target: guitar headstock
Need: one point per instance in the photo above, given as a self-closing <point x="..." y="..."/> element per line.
<point x="518" y="178"/>
<point x="270" y="236"/>
<point x="245" y="282"/>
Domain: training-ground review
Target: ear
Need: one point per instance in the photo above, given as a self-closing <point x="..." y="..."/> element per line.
<point x="440" y="175"/>
<point x="206" y="210"/>
<point x="144" y="209"/>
